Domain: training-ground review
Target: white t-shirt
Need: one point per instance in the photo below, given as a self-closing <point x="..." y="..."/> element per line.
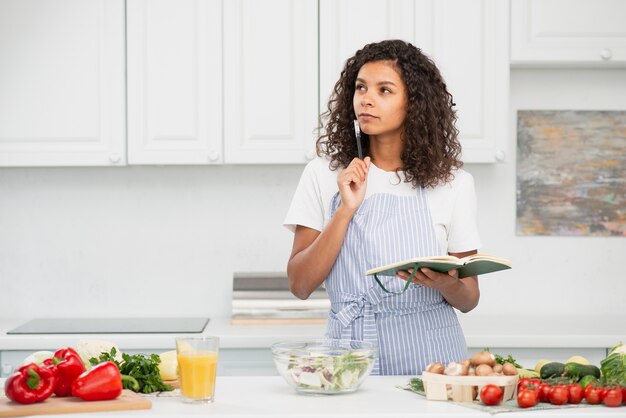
<point x="452" y="205"/>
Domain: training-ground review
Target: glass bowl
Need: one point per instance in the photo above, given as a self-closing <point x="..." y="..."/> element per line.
<point x="325" y="366"/>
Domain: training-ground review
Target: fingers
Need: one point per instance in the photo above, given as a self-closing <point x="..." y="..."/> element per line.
<point x="427" y="277"/>
<point x="360" y="166"/>
<point x="356" y="172"/>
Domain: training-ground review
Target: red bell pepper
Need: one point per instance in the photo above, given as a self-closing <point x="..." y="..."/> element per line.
<point x="30" y="383"/>
<point x="67" y="365"/>
<point x="100" y="383"/>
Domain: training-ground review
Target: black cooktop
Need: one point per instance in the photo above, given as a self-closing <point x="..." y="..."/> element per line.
<point x="112" y="326"/>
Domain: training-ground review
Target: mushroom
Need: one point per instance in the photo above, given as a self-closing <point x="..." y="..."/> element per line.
<point x="484" y="370"/>
<point x="455" y="369"/>
<point x="435" y="367"/>
<point x="484" y="357"/>
<point x="509" y="369"/>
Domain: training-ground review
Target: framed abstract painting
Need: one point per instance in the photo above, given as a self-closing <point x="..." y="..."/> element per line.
<point x="571" y="173"/>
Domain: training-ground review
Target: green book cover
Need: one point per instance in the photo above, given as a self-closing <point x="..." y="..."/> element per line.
<point x="468" y="266"/>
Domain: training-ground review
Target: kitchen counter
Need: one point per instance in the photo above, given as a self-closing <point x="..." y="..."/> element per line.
<point x="378" y="397"/>
<point x="480" y="331"/>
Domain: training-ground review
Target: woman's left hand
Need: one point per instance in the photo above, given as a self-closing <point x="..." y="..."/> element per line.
<point x="430" y="278"/>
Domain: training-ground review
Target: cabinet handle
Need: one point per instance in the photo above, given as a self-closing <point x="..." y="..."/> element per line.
<point x="214" y="156"/>
<point x="309" y="155"/>
<point x="606" y="54"/>
<point x="115" y="158"/>
<point x="500" y="155"/>
<point x="6" y="370"/>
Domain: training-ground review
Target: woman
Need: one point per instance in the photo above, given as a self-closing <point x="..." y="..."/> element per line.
<point x="407" y="198"/>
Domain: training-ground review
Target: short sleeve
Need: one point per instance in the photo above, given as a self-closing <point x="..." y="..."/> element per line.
<point x="306" y="207"/>
<point x="463" y="230"/>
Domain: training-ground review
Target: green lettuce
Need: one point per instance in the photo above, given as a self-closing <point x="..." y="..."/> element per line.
<point x="613" y="367"/>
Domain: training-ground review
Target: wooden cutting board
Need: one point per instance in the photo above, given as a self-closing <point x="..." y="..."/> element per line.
<point x="128" y="400"/>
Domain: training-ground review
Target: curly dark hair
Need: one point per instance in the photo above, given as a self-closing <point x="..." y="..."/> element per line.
<point x="431" y="148"/>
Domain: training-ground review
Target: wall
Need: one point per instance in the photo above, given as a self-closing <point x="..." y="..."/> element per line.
<point x="165" y="240"/>
<point x="555" y="275"/>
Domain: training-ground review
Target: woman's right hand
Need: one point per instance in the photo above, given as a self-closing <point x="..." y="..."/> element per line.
<point x="352" y="182"/>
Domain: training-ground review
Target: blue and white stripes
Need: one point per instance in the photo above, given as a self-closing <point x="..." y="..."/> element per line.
<point x="412" y="329"/>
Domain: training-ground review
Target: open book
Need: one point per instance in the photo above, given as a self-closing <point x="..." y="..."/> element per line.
<point x="467" y="266"/>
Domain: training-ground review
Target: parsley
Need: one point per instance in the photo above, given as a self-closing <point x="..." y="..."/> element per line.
<point x="509" y="359"/>
<point x="143" y="371"/>
<point x="417" y="385"/>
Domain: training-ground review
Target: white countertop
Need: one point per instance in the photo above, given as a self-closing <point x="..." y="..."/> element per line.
<point x="480" y="331"/>
<point x="378" y="397"/>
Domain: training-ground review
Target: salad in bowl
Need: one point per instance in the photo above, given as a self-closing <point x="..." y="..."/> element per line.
<point x="325" y="366"/>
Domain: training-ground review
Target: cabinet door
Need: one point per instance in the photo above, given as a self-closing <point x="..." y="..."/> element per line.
<point x="270" y="80"/>
<point x="568" y="32"/>
<point x="470" y="47"/>
<point x="468" y="40"/>
<point x="348" y="25"/>
<point x="62" y="92"/>
<point x="174" y="81"/>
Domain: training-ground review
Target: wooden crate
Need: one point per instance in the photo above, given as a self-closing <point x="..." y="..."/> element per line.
<point x="441" y="387"/>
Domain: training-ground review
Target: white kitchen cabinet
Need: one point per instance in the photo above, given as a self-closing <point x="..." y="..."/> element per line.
<point x="174" y="81"/>
<point x="568" y="32"/>
<point x="468" y="40"/>
<point x="62" y="83"/>
<point x="210" y="85"/>
<point x="270" y="80"/>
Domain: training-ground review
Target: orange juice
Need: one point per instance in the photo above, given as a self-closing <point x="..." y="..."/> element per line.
<point x="196" y="371"/>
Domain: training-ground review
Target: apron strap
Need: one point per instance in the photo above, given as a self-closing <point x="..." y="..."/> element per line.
<point x="406" y="286"/>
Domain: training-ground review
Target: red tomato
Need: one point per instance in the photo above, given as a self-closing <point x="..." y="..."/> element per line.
<point x="527" y="398"/>
<point x="544" y="390"/>
<point x="624" y="394"/>
<point x="603" y="393"/>
<point x="491" y="395"/>
<point x="535" y="382"/>
<point x="523" y="383"/>
<point x="613" y="397"/>
<point x="593" y="394"/>
<point x="558" y="395"/>
<point x="576" y="393"/>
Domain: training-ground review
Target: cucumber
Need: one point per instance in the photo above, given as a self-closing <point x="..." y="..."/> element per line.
<point x="586" y="380"/>
<point x="578" y="371"/>
<point x="553" y="369"/>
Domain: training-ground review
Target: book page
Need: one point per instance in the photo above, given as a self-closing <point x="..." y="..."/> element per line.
<point x="486" y="257"/>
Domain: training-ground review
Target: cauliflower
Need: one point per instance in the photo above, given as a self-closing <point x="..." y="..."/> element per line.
<point x="93" y="348"/>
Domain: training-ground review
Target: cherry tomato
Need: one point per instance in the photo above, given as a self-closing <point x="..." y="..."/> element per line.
<point x="593" y="394"/>
<point x="576" y="393"/>
<point x="624" y="394"/>
<point x="603" y="393"/>
<point x="544" y="389"/>
<point x="534" y="382"/>
<point x="527" y="398"/>
<point x="491" y="395"/>
<point x="613" y="397"/>
<point x="558" y="395"/>
<point x="523" y="383"/>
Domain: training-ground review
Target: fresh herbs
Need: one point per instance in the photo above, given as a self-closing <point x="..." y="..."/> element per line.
<point x="417" y="385"/>
<point x="509" y="359"/>
<point x="143" y="371"/>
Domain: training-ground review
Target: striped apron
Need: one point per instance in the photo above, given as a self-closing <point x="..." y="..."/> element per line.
<point x="412" y="329"/>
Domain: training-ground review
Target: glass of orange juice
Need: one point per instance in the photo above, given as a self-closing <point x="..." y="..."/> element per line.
<point x="197" y="366"/>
